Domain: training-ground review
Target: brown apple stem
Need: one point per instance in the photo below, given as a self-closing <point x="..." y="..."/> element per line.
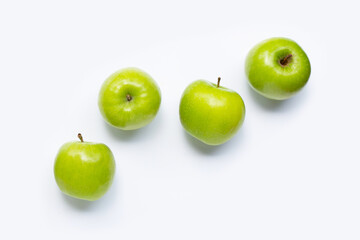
<point x="218" y="84"/>
<point x="80" y="137"/>
<point x="285" y="61"/>
<point x="128" y="97"/>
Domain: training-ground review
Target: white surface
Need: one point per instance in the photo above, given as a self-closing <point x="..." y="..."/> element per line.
<point x="291" y="172"/>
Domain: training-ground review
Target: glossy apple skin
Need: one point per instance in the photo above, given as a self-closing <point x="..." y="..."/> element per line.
<point x="211" y="114"/>
<point x="268" y="77"/>
<point x="145" y="101"/>
<point x="84" y="170"/>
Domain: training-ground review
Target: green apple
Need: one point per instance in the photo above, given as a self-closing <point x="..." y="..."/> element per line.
<point x="84" y="170"/>
<point x="277" y="68"/>
<point x="129" y="99"/>
<point x="211" y="113"/>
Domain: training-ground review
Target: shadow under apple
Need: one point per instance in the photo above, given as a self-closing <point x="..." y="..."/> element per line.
<point x="132" y="135"/>
<point x="276" y="105"/>
<point x="200" y="146"/>
<point x="218" y="149"/>
<point x="92" y="206"/>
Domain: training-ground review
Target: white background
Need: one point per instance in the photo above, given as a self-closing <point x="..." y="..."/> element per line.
<point x="291" y="172"/>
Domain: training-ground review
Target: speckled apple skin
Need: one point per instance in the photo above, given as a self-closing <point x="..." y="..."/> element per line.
<point x="268" y="77"/>
<point x="211" y="114"/>
<point x="145" y="101"/>
<point x="84" y="170"/>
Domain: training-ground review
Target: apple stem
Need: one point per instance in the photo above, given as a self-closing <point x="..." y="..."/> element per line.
<point x="218" y="84"/>
<point x="285" y="60"/>
<point x="128" y="97"/>
<point x="80" y="137"/>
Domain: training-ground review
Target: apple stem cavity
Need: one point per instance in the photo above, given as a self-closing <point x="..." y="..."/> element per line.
<point x="128" y="97"/>
<point x="218" y="83"/>
<point x="80" y="137"/>
<point x="286" y="60"/>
